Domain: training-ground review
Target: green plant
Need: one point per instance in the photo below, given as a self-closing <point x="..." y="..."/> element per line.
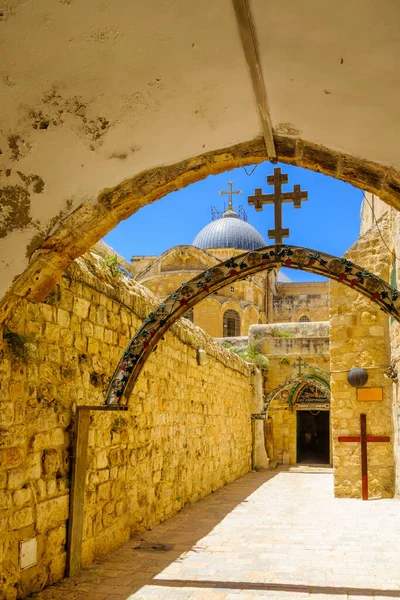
<point x="251" y="354"/>
<point x="18" y="345"/>
<point x="281" y="334"/>
<point x="284" y="361"/>
<point x="111" y="262"/>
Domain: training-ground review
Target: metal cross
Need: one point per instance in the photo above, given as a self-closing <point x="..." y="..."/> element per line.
<point x="230" y="193"/>
<point x="300" y="365"/>
<point x="277" y="198"/>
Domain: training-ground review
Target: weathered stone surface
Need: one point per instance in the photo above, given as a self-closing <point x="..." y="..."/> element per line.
<point x="11" y="457"/>
<point x="50" y="463"/>
<point x="21" y="497"/>
<point x="33" y="466"/>
<point x="6" y="414"/>
<point x="52" y="512"/>
<point x="16" y="478"/>
<point x="21" y="518"/>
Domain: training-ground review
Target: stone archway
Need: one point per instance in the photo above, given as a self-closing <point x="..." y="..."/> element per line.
<point x="189" y="294"/>
<point x="93" y="219"/>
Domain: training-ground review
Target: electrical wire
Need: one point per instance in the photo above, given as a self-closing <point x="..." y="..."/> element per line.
<point x="252" y="171"/>
<point x="378" y="228"/>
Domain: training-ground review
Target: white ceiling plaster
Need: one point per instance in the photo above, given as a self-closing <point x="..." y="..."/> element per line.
<point x="159" y="81"/>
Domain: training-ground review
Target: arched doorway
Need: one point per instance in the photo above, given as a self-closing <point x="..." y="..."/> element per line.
<point x="313" y="424"/>
<point x="297" y="425"/>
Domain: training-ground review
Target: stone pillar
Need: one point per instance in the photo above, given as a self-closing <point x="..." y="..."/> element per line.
<point x="360" y="338"/>
<point x="260" y="459"/>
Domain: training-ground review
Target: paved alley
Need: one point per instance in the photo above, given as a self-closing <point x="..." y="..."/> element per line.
<point x="275" y="535"/>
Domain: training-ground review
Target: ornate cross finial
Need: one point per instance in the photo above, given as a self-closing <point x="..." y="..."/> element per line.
<point x="230" y="192"/>
<point x="300" y="365"/>
<point x="277" y="198"/>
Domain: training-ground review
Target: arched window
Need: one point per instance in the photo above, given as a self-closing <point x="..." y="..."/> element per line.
<point x="231" y="323"/>
<point x="189" y="315"/>
<point x="304" y="319"/>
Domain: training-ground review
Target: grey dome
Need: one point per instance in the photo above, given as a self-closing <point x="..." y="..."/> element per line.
<point x="229" y="232"/>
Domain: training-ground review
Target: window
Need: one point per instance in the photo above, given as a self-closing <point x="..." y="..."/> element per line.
<point x="232" y="289"/>
<point x="231" y="323"/>
<point x="304" y="319"/>
<point x="189" y="315"/>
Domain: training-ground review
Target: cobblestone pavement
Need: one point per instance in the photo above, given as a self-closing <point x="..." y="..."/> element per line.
<point x="276" y="535"/>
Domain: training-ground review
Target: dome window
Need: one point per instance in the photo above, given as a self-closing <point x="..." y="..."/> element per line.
<point x="304" y="319"/>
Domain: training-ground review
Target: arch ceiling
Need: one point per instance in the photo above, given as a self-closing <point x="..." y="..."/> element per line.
<point x="96" y="93"/>
<point x="157" y="323"/>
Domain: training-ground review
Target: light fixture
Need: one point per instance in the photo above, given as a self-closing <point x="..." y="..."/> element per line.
<point x="357" y="377"/>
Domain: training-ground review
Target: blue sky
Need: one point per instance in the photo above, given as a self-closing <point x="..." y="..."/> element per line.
<point x="329" y="220"/>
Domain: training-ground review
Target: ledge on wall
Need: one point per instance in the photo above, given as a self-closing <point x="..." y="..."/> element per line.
<point x="282" y="339"/>
<point x="233" y="342"/>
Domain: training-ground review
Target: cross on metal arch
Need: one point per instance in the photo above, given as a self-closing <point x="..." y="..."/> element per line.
<point x="277" y="199"/>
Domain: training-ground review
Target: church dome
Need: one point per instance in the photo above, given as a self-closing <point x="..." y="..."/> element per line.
<point x="229" y="232"/>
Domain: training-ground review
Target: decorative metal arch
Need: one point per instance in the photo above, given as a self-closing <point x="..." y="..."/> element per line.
<point x="294" y="384"/>
<point x="238" y="267"/>
<point x="320" y="383"/>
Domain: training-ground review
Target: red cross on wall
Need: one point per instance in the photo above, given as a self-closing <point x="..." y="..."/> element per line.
<point x="364" y="439"/>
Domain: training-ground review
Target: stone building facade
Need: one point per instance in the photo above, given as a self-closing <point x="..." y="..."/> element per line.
<point x="285" y="344"/>
<point x="262" y="298"/>
<point x="361" y="335"/>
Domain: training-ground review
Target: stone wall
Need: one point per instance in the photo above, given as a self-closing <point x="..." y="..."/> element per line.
<point x="394" y="329"/>
<point x="187" y="431"/>
<point x="280" y="341"/>
<point x="291" y="301"/>
<point x="360" y="337"/>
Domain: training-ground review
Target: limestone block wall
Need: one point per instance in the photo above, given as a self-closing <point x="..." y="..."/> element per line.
<point x="360" y="337"/>
<point x="284" y="342"/>
<point x="394" y="328"/>
<point x="291" y="301"/>
<point x="187" y="431"/>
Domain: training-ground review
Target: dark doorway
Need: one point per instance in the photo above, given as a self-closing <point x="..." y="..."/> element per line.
<point x="313" y="437"/>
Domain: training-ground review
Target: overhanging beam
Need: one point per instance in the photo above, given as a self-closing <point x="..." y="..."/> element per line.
<point x="249" y="43"/>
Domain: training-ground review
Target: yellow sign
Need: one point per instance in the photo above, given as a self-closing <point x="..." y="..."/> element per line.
<point x="369" y="394"/>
